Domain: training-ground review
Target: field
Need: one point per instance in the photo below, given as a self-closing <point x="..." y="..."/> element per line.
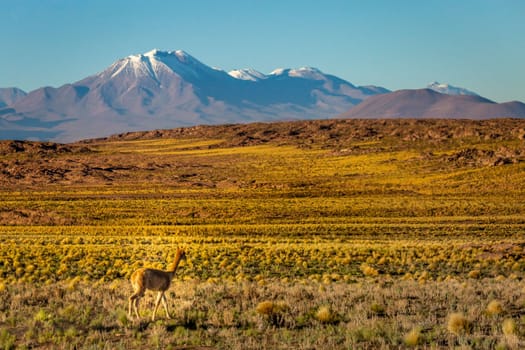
<point x="334" y="234"/>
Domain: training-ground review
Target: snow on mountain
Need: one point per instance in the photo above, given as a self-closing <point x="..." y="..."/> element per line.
<point x="307" y="73"/>
<point x="247" y="74"/>
<point x="303" y="72"/>
<point x="155" y="63"/>
<point x="167" y="89"/>
<point x="449" y="89"/>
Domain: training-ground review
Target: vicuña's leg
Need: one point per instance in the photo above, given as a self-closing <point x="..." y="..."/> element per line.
<point x="137" y="308"/>
<point x="157" y="302"/>
<point x="134" y="303"/>
<point x="133" y="300"/>
<point x="130" y="305"/>
<point x="165" y="303"/>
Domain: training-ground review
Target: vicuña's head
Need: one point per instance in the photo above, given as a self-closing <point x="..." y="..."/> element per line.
<point x="181" y="254"/>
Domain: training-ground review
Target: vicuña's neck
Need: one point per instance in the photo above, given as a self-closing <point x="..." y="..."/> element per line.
<point x="175" y="263"/>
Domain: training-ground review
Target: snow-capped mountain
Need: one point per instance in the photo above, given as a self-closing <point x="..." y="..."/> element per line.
<point x="167" y="89"/>
<point x="449" y="89"/>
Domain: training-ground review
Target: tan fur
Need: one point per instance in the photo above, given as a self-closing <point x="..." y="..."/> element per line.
<point x="155" y="280"/>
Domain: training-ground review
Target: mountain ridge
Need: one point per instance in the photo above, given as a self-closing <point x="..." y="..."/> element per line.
<point x="166" y="89"/>
<point x="427" y="103"/>
<point x="169" y="89"/>
<point x="10" y="95"/>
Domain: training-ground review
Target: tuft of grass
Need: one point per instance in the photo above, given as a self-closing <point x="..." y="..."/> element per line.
<point x="474" y="274"/>
<point x="122" y="317"/>
<point x="7" y="340"/>
<point x="71" y="333"/>
<point x="325" y="315"/>
<point x="378" y="309"/>
<point x="273" y="312"/>
<point x="509" y="326"/>
<point x="73" y="284"/>
<point x="265" y="308"/>
<point x="413" y="337"/>
<point x="41" y="316"/>
<point x="495" y="307"/>
<point x="457" y="323"/>
<point x="369" y="270"/>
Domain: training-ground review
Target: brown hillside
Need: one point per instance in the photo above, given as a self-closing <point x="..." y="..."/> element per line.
<point x="337" y="131"/>
<point x="95" y="162"/>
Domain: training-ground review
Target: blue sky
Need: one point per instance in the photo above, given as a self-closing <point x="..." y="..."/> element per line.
<point x="476" y="44"/>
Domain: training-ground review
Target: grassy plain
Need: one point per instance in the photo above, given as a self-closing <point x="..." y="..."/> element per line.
<point x="303" y="235"/>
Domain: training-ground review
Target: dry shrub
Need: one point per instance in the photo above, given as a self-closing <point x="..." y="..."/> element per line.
<point x="378" y="309"/>
<point x="413" y="337"/>
<point x="369" y="270"/>
<point x="325" y="315"/>
<point x="273" y="312"/>
<point x="264" y="307"/>
<point x="509" y="326"/>
<point x="474" y="274"/>
<point x="494" y="308"/>
<point x="457" y="323"/>
<point x="73" y="284"/>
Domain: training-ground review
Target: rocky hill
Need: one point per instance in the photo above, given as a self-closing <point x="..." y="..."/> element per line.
<point x="456" y="143"/>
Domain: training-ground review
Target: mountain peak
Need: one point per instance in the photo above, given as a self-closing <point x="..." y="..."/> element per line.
<point x="154" y="52"/>
<point x="184" y="57"/>
<point x="449" y="89"/>
<point x="302" y="72"/>
<point x="9" y="96"/>
<point x="427" y="103"/>
<point x="181" y="55"/>
<point x="165" y="89"/>
<point x="247" y="74"/>
<point x="307" y="73"/>
<point x="156" y="62"/>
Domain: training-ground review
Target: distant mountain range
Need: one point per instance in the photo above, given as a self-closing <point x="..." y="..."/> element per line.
<point x="427" y="103"/>
<point x="167" y="89"/>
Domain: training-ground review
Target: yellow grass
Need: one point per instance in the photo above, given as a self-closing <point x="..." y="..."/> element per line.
<point x="378" y="243"/>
